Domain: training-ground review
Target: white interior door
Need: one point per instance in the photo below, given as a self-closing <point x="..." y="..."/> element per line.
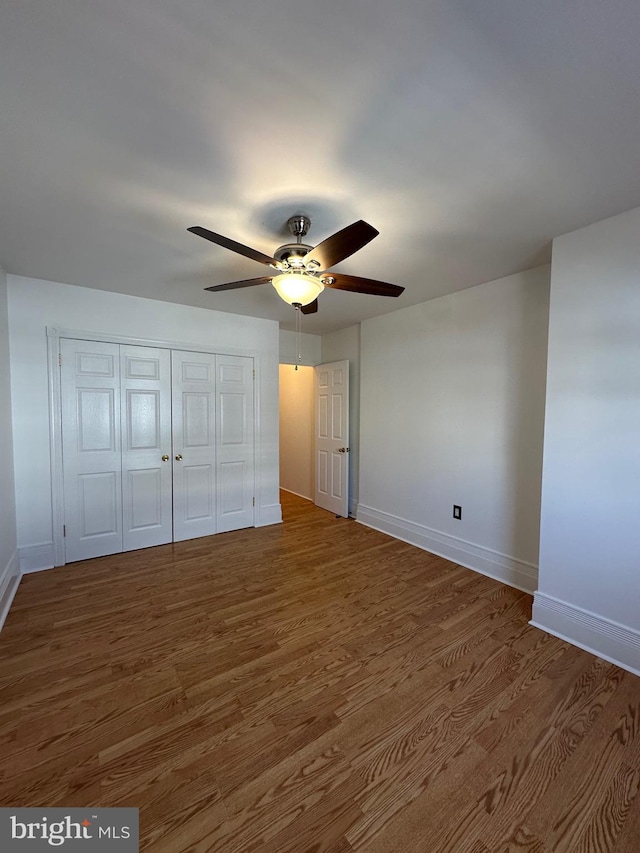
<point x="145" y="382"/>
<point x="235" y="442"/>
<point x="194" y="444"/>
<point x="332" y="437"/>
<point x="91" y="451"/>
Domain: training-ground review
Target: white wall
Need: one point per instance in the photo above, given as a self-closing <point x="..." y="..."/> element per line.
<point x="36" y="304"/>
<point x="589" y="585"/>
<point x="296" y="429"/>
<point x="8" y="541"/>
<point x="452" y="411"/>
<point x="337" y="346"/>
<point x="310" y="348"/>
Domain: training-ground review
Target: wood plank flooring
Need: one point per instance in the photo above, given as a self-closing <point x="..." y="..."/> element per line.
<point x="313" y="686"/>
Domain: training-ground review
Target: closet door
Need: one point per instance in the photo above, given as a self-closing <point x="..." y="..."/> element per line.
<point x="146" y="446"/>
<point x="91" y="452"/>
<point x="194" y="444"/>
<point x="235" y="444"/>
<point x="158" y="446"/>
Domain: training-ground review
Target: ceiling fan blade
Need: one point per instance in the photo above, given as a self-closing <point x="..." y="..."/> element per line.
<point x="342" y="244"/>
<point x="233" y="285"/>
<point x="360" y="285"/>
<point x="311" y="308"/>
<point x="227" y="243"/>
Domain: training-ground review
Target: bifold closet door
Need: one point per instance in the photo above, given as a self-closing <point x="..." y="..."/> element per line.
<point x="193" y="403"/>
<point x="145" y="383"/>
<point x="92" y="456"/>
<point x="116" y="446"/>
<point x="235" y="442"/>
<point x="213" y="441"/>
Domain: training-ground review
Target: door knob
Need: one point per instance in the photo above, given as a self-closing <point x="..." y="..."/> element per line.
<point x="178" y="457"/>
<point x="343" y="450"/>
<point x="165" y="458"/>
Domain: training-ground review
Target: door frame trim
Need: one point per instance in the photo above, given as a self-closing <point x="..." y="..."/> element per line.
<point x="54" y="335"/>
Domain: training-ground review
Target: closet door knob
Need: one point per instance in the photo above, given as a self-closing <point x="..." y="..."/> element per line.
<point x="165" y="458"/>
<point x="178" y="457"/>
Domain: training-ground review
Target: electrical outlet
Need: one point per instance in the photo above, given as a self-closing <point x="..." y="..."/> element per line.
<point x="457" y="512"/>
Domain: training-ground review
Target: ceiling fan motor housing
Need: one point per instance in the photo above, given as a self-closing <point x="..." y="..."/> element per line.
<point x="293" y="254"/>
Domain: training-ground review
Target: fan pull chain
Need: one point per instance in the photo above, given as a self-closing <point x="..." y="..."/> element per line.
<point x="298" y="348"/>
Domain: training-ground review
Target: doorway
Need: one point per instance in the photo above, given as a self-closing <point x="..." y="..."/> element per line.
<point x="314" y="429"/>
<point x="296" y="430"/>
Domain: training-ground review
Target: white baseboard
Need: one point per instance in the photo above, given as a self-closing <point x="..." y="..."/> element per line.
<point x="37" y="558"/>
<point x="297" y="494"/>
<point x="9" y="582"/>
<point x="269" y="514"/>
<point x="501" y="567"/>
<point x="609" y="640"/>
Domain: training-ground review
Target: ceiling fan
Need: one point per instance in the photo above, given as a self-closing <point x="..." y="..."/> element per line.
<point x="301" y="270"/>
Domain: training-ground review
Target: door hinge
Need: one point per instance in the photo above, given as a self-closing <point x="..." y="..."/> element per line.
<point x="254" y="374"/>
<point x="64" y="529"/>
<point x="59" y="359"/>
<point x="254" y="502"/>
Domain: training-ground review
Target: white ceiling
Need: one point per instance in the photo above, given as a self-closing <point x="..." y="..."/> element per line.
<point x="468" y="132"/>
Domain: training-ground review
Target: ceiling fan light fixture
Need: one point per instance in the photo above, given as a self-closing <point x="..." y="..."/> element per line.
<point x="300" y="270"/>
<point x="297" y="288"/>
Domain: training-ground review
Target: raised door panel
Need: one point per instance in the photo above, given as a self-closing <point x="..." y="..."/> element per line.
<point x="95" y="413"/>
<point x="98" y="502"/>
<point x="91" y="450"/>
<point x="146" y="438"/>
<point x="235" y="447"/>
<point x="194" y="444"/>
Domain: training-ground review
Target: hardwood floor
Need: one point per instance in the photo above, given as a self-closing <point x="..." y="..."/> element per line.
<point x="313" y="686"/>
